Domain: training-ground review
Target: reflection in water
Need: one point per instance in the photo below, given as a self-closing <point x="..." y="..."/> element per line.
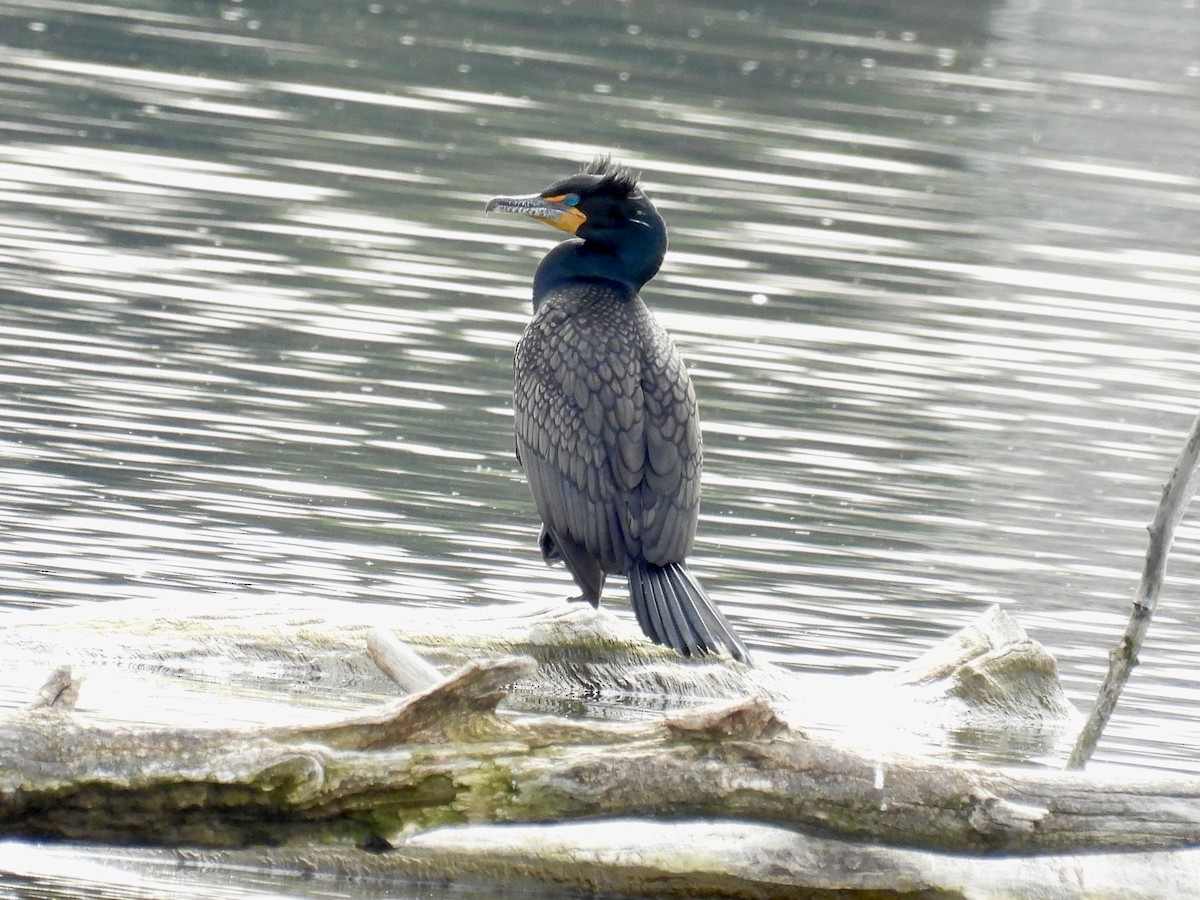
<point x="929" y="267"/>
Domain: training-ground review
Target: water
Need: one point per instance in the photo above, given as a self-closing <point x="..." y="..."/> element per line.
<point x="933" y="267"/>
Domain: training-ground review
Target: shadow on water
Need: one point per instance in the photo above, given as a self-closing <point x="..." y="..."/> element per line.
<point x="931" y="267"/>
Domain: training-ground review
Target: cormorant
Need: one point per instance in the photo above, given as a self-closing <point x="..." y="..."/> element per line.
<point x="605" y="414"/>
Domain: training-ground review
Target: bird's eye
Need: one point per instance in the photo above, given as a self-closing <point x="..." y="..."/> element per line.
<point x="571" y="199"/>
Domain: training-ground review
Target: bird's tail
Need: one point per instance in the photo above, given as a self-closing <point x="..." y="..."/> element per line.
<point x="673" y="609"/>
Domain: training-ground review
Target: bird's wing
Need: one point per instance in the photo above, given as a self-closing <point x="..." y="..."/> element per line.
<point x="570" y="435"/>
<point x="605" y="419"/>
<point x="671" y="480"/>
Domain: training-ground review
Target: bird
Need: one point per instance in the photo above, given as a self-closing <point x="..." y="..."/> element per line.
<point x="605" y="417"/>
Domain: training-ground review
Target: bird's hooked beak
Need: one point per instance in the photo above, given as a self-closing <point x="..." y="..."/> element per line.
<point x="551" y="210"/>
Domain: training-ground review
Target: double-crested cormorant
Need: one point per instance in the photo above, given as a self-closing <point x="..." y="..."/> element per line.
<point x="606" y="423"/>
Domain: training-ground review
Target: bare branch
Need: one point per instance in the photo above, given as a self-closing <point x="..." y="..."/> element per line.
<point x="408" y="669"/>
<point x="1177" y="493"/>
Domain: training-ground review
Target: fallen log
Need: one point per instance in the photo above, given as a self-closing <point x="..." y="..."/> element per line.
<point x="425" y="777"/>
<point x="445" y="756"/>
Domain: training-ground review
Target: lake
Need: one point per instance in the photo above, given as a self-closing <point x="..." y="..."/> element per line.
<point x="933" y="267"/>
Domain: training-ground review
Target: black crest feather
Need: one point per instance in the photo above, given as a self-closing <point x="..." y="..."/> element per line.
<point x="613" y="176"/>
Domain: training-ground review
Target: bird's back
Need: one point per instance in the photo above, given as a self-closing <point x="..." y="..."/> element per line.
<point x="606" y="427"/>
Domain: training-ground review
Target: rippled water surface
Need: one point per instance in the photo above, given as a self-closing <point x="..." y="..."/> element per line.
<point x="933" y="267"/>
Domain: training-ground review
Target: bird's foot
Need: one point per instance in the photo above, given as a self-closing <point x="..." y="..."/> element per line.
<point x="583" y="598"/>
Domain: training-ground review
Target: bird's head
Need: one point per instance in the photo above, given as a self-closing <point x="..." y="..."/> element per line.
<point x="623" y="236"/>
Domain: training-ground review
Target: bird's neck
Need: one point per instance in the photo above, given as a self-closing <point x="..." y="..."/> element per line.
<point x="575" y="260"/>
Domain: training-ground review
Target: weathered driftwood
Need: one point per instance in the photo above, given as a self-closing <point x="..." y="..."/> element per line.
<point x="419" y="777"/>
<point x="446" y="757"/>
<point x="443" y="756"/>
